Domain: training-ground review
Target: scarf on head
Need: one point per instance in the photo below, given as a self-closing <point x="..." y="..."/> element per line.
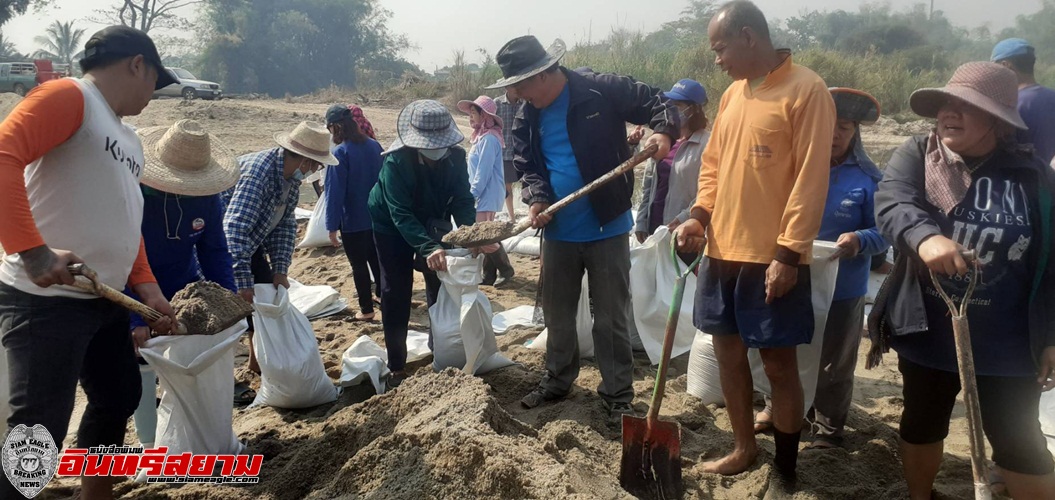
<point x="947" y="176"/>
<point x="360" y="119"/>
<point x="489" y="126"/>
<point x="863" y="160"/>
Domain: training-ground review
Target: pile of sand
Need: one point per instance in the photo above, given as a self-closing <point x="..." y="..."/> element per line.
<point x="207" y="308"/>
<point x="8" y="102"/>
<point x="479" y="233"/>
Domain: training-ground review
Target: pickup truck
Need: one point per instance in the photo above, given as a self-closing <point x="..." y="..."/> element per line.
<point x="17" y="77"/>
<point x="189" y="87"/>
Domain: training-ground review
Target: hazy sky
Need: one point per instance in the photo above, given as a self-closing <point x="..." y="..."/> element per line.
<point x="439" y="27"/>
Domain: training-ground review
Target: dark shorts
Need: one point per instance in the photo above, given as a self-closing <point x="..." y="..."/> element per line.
<point x="1010" y="409"/>
<point x="510" y="173"/>
<point x="731" y="299"/>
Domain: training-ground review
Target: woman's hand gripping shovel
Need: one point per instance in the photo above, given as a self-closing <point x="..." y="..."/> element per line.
<point x="651" y="463"/>
<point x="965" y="362"/>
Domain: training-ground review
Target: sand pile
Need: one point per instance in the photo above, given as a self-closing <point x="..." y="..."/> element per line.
<point x="208" y="308"/>
<point x="8" y="101"/>
<point x="479" y="233"/>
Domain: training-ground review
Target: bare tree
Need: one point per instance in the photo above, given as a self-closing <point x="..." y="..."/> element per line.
<point x="146" y="15"/>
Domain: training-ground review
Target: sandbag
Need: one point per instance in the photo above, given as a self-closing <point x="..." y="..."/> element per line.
<point x="462" y="335"/>
<point x="517" y="316"/>
<point x="652" y="278"/>
<point x="312" y="300"/>
<point x="316" y="235"/>
<point x="292" y="374"/>
<point x="196" y="386"/>
<point x="583" y="325"/>
<point x="703" y="366"/>
<point x="365" y="360"/>
<point x="1047" y="418"/>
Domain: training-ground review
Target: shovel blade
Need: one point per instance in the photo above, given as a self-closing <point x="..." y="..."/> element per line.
<point x="651" y="468"/>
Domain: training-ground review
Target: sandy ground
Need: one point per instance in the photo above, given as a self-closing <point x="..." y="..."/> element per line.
<point x="448" y="435"/>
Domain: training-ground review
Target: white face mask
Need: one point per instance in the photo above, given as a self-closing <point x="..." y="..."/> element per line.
<point x="435" y="154"/>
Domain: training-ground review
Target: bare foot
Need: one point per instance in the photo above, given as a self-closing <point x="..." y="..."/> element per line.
<point x="733" y="463"/>
<point x="364" y="316"/>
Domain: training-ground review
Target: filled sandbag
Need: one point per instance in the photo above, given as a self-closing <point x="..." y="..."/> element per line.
<point x="652" y="276"/>
<point x="316" y="235"/>
<point x="583" y="324"/>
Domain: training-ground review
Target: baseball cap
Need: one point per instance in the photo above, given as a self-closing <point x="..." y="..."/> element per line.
<point x="1011" y="47"/>
<point x="123" y="41"/>
<point x="336" y="113"/>
<point x="687" y="90"/>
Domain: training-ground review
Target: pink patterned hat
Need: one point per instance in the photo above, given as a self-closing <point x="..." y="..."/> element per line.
<point x="985" y="85"/>
<point x="486" y="104"/>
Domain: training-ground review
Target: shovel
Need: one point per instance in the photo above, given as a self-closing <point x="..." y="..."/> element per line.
<point x="86" y="279"/>
<point x="651" y="463"/>
<point x="488" y="232"/>
<point x="965" y="362"/>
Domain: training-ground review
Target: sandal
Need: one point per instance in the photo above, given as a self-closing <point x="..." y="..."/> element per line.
<point x="763" y="426"/>
<point x="243" y="394"/>
<point x="821" y="444"/>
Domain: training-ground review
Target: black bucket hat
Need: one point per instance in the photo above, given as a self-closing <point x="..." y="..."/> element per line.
<point x="522" y="58"/>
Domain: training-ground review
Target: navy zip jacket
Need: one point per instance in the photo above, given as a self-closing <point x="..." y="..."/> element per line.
<point x="185" y="242"/>
<point x="600" y="107"/>
<point x="348" y="186"/>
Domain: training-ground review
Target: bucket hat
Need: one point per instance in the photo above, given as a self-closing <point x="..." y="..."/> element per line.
<point x="486" y="104"/>
<point x="523" y="57"/>
<point x="855" y="105"/>
<point x="426" y="124"/>
<point x="309" y="140"/>
<point x="186" y="160"/>
<point x="985" y="85"/>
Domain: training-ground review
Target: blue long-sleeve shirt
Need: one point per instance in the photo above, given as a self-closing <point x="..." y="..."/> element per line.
<point x="486" y="175"/>
<point x="850" y="208"/>
<point x="348" y="185"/>
<point x="185" y="242"/>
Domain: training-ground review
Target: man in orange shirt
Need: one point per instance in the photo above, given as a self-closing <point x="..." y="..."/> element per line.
<point x="762" y="187"/>
<point x="69" y="174"/>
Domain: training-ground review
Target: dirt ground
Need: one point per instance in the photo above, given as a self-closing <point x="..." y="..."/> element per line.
<point x="448" y="435"/>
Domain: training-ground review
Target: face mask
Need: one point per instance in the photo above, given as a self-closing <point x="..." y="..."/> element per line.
<point x="685" y="114"/>
<point x="435" y="154"/>
<point x="298" y="175"/>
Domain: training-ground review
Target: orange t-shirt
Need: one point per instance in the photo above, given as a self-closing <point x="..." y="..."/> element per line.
<point x="764" y="173"/>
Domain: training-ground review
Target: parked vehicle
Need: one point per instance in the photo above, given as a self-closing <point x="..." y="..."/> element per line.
<point x="189" y="87"/>
<point x="17" y="77"/>
<point x="46" y="70"/>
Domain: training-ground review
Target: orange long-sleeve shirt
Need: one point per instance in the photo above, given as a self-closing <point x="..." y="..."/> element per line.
<point x="764" y="173"/>
<point x="44" y="122"/>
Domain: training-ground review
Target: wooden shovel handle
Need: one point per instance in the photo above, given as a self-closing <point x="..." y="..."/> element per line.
<point x="86" y="279"/>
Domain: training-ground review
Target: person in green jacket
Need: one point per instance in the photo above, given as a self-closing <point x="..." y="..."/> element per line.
<point x="424" y="183"/>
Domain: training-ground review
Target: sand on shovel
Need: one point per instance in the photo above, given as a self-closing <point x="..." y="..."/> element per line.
<point x="479" y="234"/>
<point x="207" y="308"/>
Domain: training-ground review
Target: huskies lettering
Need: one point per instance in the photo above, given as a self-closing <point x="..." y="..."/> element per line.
<point x="119" y="155"/>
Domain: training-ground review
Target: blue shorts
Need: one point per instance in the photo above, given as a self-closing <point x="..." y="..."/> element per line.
<point x="731" y="300"/>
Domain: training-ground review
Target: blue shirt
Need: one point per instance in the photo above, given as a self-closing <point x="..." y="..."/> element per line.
<point x="1036" y="104"/>
<point x="185" y="242"/>
<point x="850" y="208"/>
<point x="348" y="185"/>
<point x="486" y="176"/>
<point x="576" y="223"/>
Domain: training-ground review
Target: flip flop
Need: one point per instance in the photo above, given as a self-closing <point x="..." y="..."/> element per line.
<point x="243" y="394"/>
<point x="763" y="426"/>
<point x="821" y="444"/>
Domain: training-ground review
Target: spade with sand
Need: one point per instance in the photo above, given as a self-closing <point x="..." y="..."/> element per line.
<point x="488" y="232"/>
<point x="202" y="308"/>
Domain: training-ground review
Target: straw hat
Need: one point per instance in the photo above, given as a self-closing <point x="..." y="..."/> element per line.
<point x="987" y="86"/>
<point x="184" y="159"/>
<point x="426" y="124"/>
<point x="309" y="140"/>
<point x="486" y="104"/>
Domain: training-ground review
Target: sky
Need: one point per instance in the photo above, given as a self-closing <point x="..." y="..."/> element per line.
<point x="440" y="27"/>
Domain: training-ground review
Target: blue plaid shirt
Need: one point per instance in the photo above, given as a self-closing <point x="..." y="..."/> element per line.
<point x="507" y="112"/>
<point x="250" y="206"/>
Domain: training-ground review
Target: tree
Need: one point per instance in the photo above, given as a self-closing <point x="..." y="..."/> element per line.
<point x="12" y="8"/>
<point x="146" y="15"/>
<point x="61" y="43"/>
<point x="8" y="52"/>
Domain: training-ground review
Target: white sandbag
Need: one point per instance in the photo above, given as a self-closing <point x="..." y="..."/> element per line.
<point x="526" y="243"/>
<point x="652" y="278"/>
<point x="1047" y="418"/>
<point x="517" y="316"/>
<point x="583" y="325"/>
<point x="365" y="360"/>
<point x="336" y="308"/>
<point x="702" y="380"/>
<point x="301" y="214"/>
<point x="462" y="336"/>
<point x="196" y="386"/>
<point x="310" y="300"/>
<point x="316" y="234"/>
<point x="292" y="375"/>
<point x="703" y="366"/>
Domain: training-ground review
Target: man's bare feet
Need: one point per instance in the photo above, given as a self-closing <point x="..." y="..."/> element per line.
<point x="733" y="463"/>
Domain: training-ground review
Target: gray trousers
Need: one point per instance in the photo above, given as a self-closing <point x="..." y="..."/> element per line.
<point x="835" y="379"/>
<point x="607" y="264"/>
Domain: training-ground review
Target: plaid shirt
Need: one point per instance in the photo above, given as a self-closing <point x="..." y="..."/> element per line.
<point x="250" y="206"/>
<point x="507" y="112"/>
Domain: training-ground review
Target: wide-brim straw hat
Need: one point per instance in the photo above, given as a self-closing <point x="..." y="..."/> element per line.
<point x="987" y="86"/>
<point x="426" y="124"/>
<point x="486" y="104"/>
<point x="186" y="160"/>
<point x="309" y="140"/>
<point x="523" y="57"/>
<point x="855" y="105"/>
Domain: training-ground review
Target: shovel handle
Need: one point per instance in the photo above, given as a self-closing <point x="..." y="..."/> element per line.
<point x="623" y="168"/>
<point x="86" y="279"/>
<point x="671" y="331"/>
